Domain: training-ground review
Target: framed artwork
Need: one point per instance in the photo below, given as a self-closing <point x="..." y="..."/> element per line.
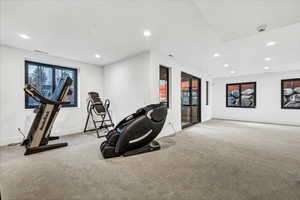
<point x="290" y="93"/>
<point x="241" y="95"/>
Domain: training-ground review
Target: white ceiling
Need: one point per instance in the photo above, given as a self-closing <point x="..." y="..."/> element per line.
<point x="111" y="28"/>
<point x="235" y="19"/>
<point x="192" y="30"/>
<point x="246" y="56"/>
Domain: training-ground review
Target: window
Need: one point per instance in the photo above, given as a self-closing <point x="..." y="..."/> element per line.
<point x="290" y="94"/>
<point x="45" y="77"/>
<point x="164" y="85"/>
<point x="241" y="95"/>
<point x="207" y="93"/>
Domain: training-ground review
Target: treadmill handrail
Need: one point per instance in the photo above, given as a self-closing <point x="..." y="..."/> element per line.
<point x="34" y="93"/>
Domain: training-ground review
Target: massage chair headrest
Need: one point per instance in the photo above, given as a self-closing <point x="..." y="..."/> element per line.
<point x="155" y="112"/>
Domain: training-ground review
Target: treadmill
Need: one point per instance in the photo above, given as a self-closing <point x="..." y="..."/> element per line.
<point x="39" y="133"/>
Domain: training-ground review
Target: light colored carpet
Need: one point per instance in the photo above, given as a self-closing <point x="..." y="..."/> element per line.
<point x="216" y="160"/>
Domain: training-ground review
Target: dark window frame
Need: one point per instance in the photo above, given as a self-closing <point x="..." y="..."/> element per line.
<point x="53" y="67"/>
<point x="168" y="84"/>
<point x="191" y="96"/>
<point x="240" y="96"/>
<point x="207" y="93"/>
<point x="282" y="94"/>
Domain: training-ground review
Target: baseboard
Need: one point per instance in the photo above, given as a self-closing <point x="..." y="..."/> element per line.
<point x="259" y="122"/>
<point x="10" y="140"/>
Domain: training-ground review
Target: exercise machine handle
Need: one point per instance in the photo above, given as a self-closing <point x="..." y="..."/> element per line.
<point x="34" y="93"/>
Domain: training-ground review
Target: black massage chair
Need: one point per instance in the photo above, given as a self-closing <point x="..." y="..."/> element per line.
<point x="136" y="133"/>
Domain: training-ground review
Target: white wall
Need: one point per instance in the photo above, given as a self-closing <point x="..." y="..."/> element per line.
<point x="134" y="82"/>
<point x="12" y="112"/>
<point x="174" y="112"/>
<point x="268" y="107"/>
<point x="127" y="85"/>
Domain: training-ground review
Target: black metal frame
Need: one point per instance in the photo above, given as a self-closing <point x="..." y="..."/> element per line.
<point x="191" y="96"/>
<point x="168" y="83"/>
<point x="53" y="67"/>
<point x="282" y="96"/>
<point x="207" y="93"/>
<point x="240" y="88"/>
<point x="103" y="121"/>
<point x="47" y="147"/>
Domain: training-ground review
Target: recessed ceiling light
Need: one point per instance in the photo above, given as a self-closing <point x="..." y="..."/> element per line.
<point x="226" y="65"/>
<point x="266" y="67"/>
<point x="233" y="72"/>
<point x="97" y="56"/>
<point x="24" y="36"/>
<point x="267" y="59"/>
<point x="272" y="43"/>
<point x="147" y="33"/>
<point x="216" y="55"/>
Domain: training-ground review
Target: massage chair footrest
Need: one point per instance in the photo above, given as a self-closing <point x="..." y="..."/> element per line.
<point x="153" y="146"/>
<point x="108" y="151"/>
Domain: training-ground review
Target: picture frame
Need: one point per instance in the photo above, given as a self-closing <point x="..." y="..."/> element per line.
<point x="290" y="93"/>
<point x="241" y="95"/>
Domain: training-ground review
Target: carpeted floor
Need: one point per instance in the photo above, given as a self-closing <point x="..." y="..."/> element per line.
<point x="216" y="160"/>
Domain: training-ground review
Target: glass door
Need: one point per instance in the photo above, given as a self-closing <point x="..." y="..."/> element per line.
<point x="190" y="100"/>
<point x="195" y="100"/>
<point x="185" y="100"/>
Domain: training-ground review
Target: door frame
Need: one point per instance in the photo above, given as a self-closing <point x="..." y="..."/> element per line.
<point x="199" y="99"/>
